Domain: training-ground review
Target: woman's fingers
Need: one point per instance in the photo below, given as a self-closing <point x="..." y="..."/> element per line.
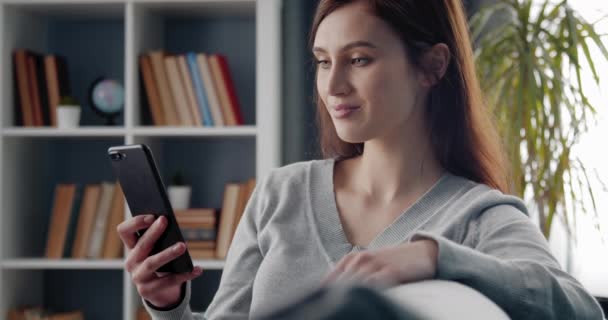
<point x="154" y="262"/>
<point x="382" y="279"/>
<point x="359" y="274"/>
<point x="126" y="230"/>
<point x="171" y="280"/>
<point x="145" y="243"/>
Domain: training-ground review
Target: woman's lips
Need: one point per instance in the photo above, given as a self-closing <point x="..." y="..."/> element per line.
<point x="343" y="111"/>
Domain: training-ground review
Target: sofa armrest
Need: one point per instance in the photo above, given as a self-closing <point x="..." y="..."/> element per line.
<point x="441" y="300"/>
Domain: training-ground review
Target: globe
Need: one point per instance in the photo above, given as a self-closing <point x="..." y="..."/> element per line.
<point x="107" y="98"/>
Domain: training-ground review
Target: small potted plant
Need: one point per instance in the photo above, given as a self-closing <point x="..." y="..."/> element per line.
<point x="68" y="112"/>
<point x="179" y="192"/>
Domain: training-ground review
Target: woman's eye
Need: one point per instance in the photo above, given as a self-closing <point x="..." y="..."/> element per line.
<point x="323" y="63"/>
<point x="359" y="61"/>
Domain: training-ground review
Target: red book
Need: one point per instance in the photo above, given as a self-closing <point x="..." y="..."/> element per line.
<point x="234" y="102"/>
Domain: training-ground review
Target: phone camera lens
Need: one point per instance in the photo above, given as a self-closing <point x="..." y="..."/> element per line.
<point x="115" y="156"/>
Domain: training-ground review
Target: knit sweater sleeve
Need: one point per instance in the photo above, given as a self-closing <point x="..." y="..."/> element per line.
<point x="233" y="298"/>
<point x="510" y="262"/>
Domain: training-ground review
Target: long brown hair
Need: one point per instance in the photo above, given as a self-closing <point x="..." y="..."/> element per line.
<point x="462" y="131"/>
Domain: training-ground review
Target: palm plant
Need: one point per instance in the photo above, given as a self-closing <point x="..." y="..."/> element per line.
<point x="530" y="65"/>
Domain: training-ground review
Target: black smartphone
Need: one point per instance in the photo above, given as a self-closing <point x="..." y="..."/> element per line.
<point x="141" y="183"/>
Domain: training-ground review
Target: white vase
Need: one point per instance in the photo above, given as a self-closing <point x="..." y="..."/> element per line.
<point x="68" y="116"/>
<point x="179" y="196"/>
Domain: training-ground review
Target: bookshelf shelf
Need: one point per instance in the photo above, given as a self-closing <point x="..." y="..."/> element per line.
<point x="210" y="264"/>
<point x="106" y="38"/>
<point x="71" y="264"/>
<point x="62" y="264"/>
<point x="55" y="132"/>
<point x="240" y="131"/>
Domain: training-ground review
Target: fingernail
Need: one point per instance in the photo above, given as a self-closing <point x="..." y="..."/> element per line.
<point x="197" y="270"/>
<point x="149" y="219"/>
<point x="177" y="247"/>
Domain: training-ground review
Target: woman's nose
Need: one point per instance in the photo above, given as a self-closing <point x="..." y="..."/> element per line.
<point x="338" y="82"/>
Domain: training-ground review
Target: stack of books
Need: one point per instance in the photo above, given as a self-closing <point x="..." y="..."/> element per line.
<point x="198" y="227"/>
<point x="40" y="82"/>
<point x="192" y="89"/>
<point x="208" y="237"/>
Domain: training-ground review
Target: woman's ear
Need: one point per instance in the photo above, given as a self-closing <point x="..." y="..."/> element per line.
<point x="434" y="64"/>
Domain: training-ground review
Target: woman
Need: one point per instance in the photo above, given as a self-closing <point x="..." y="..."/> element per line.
<point x="413" y="185"/>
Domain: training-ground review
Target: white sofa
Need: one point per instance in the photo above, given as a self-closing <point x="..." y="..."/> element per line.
<point x="426" y="300"/>
<point x="440" y="300"/>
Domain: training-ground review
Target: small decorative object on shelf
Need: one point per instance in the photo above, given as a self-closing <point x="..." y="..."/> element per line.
<point x="179" y="193"/>
<point x="107" y="98"/>
<point x="68" y="113"/>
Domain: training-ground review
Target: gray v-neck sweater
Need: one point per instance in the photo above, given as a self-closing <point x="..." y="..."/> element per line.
<point x="291" y="236"/>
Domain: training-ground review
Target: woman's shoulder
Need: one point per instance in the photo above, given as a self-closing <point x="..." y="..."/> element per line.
<point x="293" y="177"/>
<point x="297" y="172"/>
<point x="480" y="198"/>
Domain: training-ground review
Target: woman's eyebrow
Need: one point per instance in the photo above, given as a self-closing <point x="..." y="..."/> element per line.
<point x="349" y="46"/>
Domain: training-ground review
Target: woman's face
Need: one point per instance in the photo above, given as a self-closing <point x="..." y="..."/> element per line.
<point x="364" y="77"/>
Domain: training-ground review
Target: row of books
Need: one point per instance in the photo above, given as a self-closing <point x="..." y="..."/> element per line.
<point x="39" y="313"/>
<point x="192" y="89"/>
<point x="84" y="221"/>
<point x="40" y="82"/>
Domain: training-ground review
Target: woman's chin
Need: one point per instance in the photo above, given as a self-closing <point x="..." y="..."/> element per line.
<point x="350" y="137"/>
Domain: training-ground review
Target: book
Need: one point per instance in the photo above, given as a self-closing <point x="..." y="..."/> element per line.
<point x="60" y="216"/>
<point x="101" y="218"/>
<point x="228" y="81"/>
<point x="214" y="103"/>
<point x="202" y="253"/>
<point x="220" y="88"/>
<point x="20" y="313"/>
<point x="198" y="233"/>
<point x="227" y="218"/>
<point x="162" y="82"/>
<point x="72" y="315"/>
<point x="112" y="245"/>
<point x="177" y="90"/>
<point x="57" y="83"/>
<point x="207" y="215"/>
<point x="199" y="89"/>
<point x="151" y="90"/>
<point x="248" y="187"/>
<point x="200" y="244"/>
<point x="72" y="223"/>
<point x="32" y="77"/>
<point x="40" y="313"/>
<point x="40" y="81"/>
<point x="86" y="217"/>
<point x="195" y="111"/>
<point x="20" y="58"/>
<point x="142" y="314"/>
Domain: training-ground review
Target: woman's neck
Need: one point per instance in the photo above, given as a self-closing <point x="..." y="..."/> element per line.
<point x="385" y="175"/>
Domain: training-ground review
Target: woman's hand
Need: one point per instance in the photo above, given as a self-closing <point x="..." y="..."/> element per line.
<point x="384" y="268"/>
<point x="161" y="291"/>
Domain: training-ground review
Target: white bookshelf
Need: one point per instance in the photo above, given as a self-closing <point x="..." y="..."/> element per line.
<point x="110" y="34"/>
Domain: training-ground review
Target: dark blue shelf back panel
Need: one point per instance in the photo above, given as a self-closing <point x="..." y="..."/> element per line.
<point x="93" y="49"/>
